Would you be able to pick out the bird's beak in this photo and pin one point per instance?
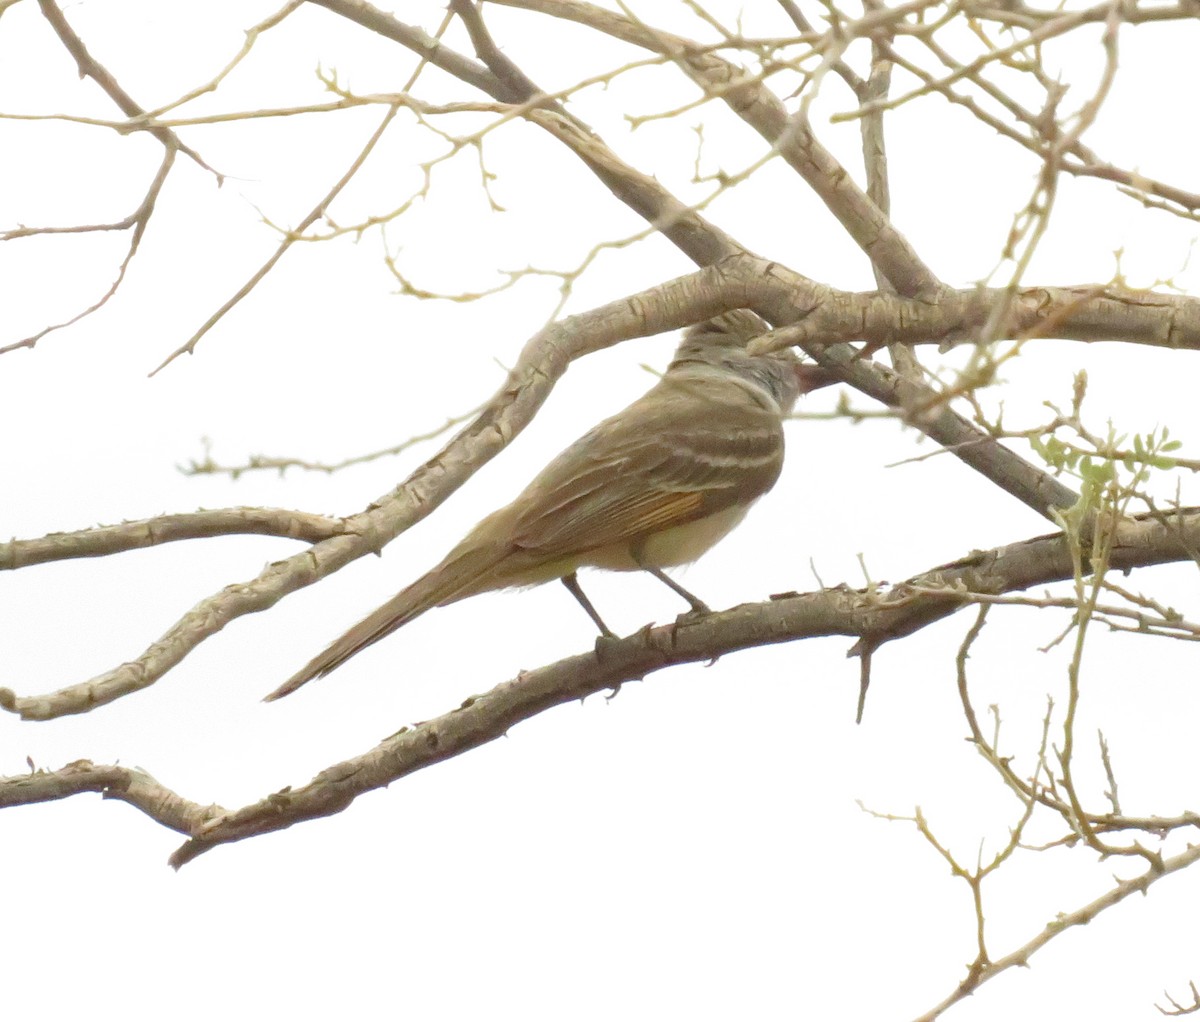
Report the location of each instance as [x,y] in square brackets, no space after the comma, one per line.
[813,377]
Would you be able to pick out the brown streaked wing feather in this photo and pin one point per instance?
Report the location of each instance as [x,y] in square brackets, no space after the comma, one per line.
[605,521]
[649,473]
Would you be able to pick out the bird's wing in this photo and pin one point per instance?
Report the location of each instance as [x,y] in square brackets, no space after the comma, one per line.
[648,470]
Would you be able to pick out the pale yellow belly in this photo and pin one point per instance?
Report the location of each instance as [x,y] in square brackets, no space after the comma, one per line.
[679,545]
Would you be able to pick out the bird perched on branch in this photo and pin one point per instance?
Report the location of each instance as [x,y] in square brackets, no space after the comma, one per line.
[652,487]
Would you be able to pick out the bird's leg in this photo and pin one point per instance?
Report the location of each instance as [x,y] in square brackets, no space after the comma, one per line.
[572,584]
[698,605]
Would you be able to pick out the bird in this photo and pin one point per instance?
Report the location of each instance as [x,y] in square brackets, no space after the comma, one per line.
[652,487]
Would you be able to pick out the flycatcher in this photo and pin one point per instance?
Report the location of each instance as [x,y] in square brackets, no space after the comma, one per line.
[654,486]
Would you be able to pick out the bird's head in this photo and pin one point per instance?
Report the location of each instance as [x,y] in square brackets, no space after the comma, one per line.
[721,342]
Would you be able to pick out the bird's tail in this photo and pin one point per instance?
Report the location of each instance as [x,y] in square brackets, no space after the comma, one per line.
[453,578]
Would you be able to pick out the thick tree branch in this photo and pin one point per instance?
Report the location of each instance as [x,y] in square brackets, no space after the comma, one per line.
[705,244]
[789,134]
[429,49]
[888,250]
[126,784]
[1080,312]
[147,532]
[1016,12]
[545,358]
[739,282]
[873,617]
[926,409]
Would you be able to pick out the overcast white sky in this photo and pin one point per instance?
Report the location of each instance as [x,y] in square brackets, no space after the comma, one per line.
[689,849]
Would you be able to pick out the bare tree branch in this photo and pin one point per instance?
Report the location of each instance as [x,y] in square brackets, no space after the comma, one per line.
[308,220]
[984,56]
[873,616]
[788,134]
[545,358]
[89,67]
[126,784]
[889,252]
[1081,160]
[114,539]
[1063,921]
[261,462]
[700,240]
[1081,312]
[139,220]
[321,209]
[743,282]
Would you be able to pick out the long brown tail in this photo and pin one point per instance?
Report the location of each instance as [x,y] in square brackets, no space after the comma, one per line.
[441,585]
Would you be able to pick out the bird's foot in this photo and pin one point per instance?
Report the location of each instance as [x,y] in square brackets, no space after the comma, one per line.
[699,610]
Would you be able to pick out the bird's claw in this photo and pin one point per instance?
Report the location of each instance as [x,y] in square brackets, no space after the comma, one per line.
[699,610]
